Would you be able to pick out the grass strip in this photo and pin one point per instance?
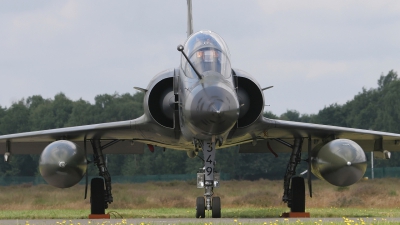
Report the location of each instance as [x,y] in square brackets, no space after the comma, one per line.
[190,212]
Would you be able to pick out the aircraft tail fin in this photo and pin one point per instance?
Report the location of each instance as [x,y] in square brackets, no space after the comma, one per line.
[189,19]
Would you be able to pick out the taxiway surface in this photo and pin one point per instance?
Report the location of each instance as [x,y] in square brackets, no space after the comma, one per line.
[195,221]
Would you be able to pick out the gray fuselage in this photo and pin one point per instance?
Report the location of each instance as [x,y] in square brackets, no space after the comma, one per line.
[208,106]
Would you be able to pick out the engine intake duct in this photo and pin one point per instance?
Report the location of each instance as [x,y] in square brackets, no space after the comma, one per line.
[251,102]
[341,162]
[161,102]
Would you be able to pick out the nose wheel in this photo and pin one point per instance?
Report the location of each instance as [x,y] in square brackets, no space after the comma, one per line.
[200,207]
[215,208]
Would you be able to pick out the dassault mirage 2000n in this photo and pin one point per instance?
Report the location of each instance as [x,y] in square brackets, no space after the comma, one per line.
[200,106]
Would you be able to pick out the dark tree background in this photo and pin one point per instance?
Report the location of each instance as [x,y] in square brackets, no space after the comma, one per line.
[377,109]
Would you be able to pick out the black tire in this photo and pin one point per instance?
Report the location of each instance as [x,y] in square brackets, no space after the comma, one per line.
[298,195]
[216,207]
[97,204]
[200,208]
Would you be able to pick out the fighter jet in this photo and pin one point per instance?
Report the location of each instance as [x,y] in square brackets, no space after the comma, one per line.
[201,106]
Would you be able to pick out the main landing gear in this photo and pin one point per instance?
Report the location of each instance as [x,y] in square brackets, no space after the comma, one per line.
[208,179]
[294,188]
[100,187]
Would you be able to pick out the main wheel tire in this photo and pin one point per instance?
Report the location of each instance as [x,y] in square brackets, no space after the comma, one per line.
[298,195]
[200,208]
[216,207]
[97,204]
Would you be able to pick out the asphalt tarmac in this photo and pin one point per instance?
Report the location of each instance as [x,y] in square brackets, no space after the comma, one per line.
[172,221]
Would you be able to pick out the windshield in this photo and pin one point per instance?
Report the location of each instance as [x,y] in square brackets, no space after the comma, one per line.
[207,52]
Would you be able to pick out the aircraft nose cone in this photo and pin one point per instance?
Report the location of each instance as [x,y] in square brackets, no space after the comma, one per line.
[217,109]
[214,110]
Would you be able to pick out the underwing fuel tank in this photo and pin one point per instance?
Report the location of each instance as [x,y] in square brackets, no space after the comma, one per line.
[62,164]
[341,162]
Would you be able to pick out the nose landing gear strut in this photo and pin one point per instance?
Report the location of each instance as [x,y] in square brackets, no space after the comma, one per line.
[208,179]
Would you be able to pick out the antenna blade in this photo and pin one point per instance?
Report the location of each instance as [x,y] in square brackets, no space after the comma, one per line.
[140,89]
[190,19]
[267,88]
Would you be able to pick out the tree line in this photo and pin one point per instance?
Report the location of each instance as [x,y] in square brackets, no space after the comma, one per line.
[376,108]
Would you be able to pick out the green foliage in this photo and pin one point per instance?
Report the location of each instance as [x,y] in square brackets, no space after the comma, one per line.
[270,115]
[15,119]
[37,113]
[376,108]
[292,115]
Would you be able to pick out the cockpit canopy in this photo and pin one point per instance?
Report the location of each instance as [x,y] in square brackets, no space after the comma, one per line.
[208,53]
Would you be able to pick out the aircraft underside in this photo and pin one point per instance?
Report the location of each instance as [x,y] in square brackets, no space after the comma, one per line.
[339,161]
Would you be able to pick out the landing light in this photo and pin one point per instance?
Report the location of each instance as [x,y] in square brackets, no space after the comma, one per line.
[7,157]
[201,183]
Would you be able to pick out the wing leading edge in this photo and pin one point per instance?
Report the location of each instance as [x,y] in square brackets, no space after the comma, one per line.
[35,141]
[267,130]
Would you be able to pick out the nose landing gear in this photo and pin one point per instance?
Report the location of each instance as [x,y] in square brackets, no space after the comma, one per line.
[208,179]
[207,202]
